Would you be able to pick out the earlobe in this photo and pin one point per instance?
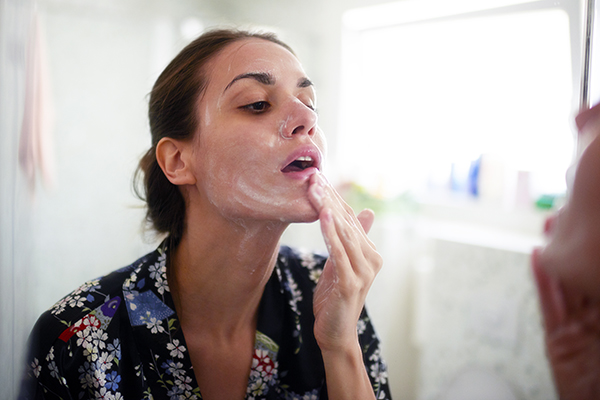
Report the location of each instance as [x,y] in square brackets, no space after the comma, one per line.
[172,158]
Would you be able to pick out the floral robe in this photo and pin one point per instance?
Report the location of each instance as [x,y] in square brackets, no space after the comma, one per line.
[118,337]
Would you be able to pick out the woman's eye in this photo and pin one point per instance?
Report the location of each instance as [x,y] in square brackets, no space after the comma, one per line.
[259,106]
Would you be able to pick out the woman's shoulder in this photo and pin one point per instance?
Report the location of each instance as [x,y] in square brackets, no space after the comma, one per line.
[95,292]
[86,325]
[95,301]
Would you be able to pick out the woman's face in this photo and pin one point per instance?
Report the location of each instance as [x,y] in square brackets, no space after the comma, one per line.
[573,250]
[257,142]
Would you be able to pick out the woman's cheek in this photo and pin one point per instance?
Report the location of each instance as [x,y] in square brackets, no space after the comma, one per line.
[241,185]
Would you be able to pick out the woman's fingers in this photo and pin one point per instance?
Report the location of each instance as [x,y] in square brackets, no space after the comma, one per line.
[322,194]
[349,271]
[316,192]
[366,218]
[332,238]
[345,233]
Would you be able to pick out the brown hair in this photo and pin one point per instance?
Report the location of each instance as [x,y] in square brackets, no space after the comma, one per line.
[172,113]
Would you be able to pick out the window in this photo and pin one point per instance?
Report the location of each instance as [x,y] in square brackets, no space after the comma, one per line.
[460,99]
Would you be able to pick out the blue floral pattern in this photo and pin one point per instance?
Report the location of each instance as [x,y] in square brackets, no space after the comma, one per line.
[119,337]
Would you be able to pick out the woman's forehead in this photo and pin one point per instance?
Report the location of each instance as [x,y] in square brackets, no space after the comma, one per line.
[254,55]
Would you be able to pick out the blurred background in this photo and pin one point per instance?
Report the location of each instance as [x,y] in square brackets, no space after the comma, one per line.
[451,119]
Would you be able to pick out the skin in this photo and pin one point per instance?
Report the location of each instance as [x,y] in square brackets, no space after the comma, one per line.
[573,250]
[258,111]
[567,274]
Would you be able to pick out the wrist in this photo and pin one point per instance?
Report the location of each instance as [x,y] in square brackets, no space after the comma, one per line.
[348,354]
[339,345]
[346,374]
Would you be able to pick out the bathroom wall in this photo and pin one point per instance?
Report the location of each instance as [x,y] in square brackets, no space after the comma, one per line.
[16,207]
[76,218]
[102,58]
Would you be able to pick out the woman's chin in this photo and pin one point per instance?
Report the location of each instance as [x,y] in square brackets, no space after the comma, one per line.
[303,216]
[309,220]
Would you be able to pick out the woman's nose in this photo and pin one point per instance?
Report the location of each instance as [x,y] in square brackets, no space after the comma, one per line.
[298,119]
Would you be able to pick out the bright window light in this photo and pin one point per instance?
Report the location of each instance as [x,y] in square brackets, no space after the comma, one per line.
[405,11]
[424,102]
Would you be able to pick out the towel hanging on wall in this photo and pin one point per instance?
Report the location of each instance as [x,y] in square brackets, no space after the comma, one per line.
[35,144]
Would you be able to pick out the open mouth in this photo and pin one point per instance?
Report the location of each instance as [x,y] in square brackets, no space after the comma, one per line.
[300,164]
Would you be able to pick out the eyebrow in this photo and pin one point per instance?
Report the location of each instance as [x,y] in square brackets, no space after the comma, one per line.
[266,79]
[304,82]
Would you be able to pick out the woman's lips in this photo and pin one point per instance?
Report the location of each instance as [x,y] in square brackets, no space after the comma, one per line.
[303,162]
[301,174]
[299,164]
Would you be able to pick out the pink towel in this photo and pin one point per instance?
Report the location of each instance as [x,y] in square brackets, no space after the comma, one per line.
[35,145]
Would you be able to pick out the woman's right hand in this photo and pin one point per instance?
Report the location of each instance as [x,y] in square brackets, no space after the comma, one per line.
[349,271]
[340,294]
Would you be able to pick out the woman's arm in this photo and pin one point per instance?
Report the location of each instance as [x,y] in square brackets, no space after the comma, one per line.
[346,375]
[342,289]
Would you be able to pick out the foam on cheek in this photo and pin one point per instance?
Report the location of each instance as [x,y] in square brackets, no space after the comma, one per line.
[252,193]
[231,190]
[272,142]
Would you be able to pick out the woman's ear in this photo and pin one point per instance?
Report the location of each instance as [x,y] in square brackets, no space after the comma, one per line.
[173,158]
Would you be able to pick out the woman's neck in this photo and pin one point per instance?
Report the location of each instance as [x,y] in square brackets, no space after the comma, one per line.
[218,272]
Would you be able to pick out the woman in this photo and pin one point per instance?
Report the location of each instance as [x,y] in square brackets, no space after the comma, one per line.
[220,311]
[567,272]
